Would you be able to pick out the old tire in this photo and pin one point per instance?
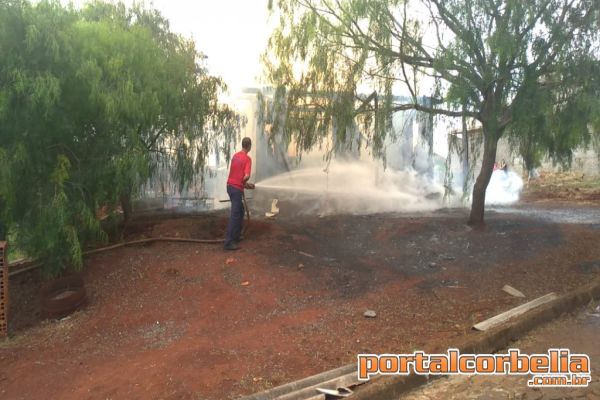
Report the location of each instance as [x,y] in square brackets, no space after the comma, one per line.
[62,296]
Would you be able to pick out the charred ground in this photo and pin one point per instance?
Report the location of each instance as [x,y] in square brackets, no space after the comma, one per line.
[192,321]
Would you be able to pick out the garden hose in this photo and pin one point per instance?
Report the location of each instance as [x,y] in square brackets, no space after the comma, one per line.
[25,266]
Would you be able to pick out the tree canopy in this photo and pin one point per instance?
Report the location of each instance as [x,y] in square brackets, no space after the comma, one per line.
[545,125]
[488,60]
[92,101]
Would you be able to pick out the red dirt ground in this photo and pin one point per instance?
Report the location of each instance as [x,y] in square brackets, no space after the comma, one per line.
[173,321]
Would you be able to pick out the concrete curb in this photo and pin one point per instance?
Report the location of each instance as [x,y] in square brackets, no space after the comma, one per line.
[297,388]
[390,388]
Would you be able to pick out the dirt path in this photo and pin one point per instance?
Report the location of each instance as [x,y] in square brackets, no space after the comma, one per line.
[174,321]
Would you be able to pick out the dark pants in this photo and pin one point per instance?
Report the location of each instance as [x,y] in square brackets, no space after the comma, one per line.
[236,220]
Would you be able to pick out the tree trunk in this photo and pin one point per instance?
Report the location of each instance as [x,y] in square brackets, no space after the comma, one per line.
[465,157]
[126,206]
[490,142]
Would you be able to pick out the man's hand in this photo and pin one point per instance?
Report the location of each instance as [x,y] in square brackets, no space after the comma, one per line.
[249,185]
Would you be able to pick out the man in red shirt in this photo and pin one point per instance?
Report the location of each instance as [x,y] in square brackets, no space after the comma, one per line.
[239,173]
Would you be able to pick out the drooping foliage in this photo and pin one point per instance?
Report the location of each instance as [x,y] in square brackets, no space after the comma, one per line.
[548,126]
[92,102]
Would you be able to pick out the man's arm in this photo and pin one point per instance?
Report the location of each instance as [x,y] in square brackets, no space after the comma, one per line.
[247,173]
[247,170]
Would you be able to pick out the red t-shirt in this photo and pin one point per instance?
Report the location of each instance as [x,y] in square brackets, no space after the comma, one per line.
[241,165]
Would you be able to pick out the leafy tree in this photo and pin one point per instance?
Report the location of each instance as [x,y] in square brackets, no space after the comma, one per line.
[477,59]
[546,126]
[92,102]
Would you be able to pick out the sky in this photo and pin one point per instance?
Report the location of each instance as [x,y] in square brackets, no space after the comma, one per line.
[232,33]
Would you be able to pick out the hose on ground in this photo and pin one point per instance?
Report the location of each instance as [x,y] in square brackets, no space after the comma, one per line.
[136,242]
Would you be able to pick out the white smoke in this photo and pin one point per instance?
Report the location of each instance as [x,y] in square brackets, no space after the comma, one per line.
[504,188]
[357,187]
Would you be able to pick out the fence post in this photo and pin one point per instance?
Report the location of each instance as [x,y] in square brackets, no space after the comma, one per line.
[3,290]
